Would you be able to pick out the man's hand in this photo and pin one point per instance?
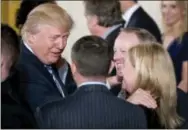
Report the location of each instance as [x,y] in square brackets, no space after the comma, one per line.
[114,80]
[141,97]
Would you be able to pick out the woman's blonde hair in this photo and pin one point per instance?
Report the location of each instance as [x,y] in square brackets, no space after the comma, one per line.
[155,73]
[46,14]
[181,26]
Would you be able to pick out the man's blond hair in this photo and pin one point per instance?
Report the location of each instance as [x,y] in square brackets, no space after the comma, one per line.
[46,14]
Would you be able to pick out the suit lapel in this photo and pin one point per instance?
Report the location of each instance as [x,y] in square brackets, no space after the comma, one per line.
[30,58]
[112,36]
[134,16]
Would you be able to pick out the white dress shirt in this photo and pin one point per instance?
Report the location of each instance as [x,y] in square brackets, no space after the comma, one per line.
[110,30]
[63,71]
[92,83]
[28,47]
[128,14]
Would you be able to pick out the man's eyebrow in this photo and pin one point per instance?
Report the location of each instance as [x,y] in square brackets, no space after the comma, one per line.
[67,33]
[55,36]
[59,35]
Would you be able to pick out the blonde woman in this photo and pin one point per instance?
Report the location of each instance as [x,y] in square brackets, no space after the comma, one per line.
[150,69]
[175,38]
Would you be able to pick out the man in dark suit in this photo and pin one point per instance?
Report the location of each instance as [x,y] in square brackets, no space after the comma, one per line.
[104,19]
[92,105]
[62,65]
[14,113]
[44,40]
[135,16]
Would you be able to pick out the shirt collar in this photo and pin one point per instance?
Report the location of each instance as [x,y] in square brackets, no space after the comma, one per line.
[92,82]
[63,71]
[127,14]
[28,47]
[111,29]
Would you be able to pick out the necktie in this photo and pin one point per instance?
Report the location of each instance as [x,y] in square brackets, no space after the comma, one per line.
[56,78]
[122,94]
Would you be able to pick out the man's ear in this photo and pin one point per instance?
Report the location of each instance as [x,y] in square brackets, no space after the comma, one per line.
[31,39]
[93,20]
[73,68]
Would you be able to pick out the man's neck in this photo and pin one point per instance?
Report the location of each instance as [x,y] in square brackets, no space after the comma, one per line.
[128,6]
[82,80]
[101,31]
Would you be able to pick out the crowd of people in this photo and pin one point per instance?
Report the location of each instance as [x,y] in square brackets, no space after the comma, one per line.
[127,74]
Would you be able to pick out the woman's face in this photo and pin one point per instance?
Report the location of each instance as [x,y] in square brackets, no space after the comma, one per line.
[129,76]
[171,12]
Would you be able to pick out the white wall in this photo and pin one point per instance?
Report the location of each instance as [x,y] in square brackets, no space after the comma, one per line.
[153,9]
[76,10]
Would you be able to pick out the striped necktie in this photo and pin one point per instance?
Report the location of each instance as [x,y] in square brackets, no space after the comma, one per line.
[59,84]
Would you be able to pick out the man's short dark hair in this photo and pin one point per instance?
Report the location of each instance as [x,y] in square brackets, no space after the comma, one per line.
[107,11]
[10,45]
[91,56]
[25,8]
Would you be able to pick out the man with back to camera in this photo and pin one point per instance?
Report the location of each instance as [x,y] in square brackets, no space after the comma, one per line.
[92,106]
[104,20]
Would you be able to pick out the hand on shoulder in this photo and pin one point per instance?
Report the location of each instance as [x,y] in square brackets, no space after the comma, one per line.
[142,97]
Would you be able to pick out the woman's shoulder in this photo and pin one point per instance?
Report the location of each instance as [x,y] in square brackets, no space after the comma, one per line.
[168,40]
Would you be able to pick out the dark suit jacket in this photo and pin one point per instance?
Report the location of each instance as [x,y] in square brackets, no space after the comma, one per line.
[14,113]
[111,40]
[112,37]
[69,82]
[91,106]
[37,85]
[140,19]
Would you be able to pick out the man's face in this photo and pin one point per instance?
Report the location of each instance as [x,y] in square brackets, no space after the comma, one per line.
[122,44]
[49,43]
[6,65]
[124,4]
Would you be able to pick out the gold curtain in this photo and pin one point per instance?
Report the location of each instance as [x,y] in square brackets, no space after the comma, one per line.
[186,21]
[8,12]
